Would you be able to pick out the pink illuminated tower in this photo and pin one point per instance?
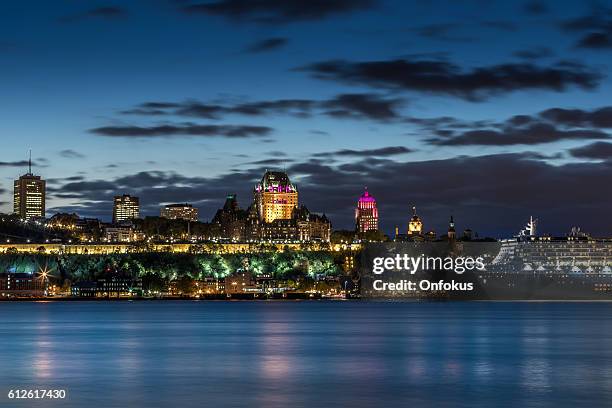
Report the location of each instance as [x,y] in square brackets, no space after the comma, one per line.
[366,214]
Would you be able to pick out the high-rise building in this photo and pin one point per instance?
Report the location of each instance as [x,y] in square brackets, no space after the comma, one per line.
[185,212]
[366,214]
[125,208]
[29,195]
[275,197]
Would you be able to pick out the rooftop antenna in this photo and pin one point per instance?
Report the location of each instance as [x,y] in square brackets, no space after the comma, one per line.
[30,163]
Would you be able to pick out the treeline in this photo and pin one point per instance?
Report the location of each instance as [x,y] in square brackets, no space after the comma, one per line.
[172,266]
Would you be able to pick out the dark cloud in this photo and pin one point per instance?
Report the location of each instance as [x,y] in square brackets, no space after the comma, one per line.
[500,25]
[104,12]
[189,129]
[20,163]
[598,19]
[381,152]
[455,32]
[363,105]
[597,118]
[272,162]
[296,107]
[547,126]
[443,32]
[536,7]
[269,44]
[154,188]
[277,12]
[596,40]
[534,53]
[445,78]
[595,29]
[527,135]
[356,106]
[597,150]
[486,193]
[71,154]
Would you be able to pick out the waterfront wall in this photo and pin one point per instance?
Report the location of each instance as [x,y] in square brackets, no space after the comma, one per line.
[226,248]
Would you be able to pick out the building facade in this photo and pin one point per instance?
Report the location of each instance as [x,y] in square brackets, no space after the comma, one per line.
[274,215]
[415,225]
[29,196]
[275,197]
[120,233]
[111,286]
[366,214]
[185,212]
[125,208]
[21,284]
[231,219]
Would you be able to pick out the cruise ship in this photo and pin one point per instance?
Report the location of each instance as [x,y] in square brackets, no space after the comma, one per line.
[529,266]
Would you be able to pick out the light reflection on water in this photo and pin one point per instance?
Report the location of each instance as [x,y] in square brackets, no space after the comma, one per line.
[192,354]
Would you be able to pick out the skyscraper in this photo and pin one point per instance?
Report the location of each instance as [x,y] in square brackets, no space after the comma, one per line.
[179,212]
[29,195]
[366,214]
[125,208]
[275,197]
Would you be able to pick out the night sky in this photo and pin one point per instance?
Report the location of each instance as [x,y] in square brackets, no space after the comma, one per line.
[488,111]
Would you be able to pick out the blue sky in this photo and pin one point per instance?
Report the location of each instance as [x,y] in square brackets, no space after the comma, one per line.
[68,68]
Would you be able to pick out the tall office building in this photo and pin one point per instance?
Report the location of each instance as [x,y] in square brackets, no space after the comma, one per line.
[125,208]
[366,214]
[29,195]
[275,197]
[179,212]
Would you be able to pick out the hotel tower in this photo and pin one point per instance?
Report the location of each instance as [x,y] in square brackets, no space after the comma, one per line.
[275,197]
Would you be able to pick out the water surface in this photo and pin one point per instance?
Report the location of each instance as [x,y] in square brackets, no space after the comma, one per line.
[311,353]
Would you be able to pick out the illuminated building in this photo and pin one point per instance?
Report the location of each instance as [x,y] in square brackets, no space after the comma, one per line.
[275,197]
[125,208]
[21,284]
[122,233]
[366,214]
[29,195]
[415,225]
[303,226]
[319,228]
[179,212]
[451,229]
[63,221]
[239,282]
[111,286]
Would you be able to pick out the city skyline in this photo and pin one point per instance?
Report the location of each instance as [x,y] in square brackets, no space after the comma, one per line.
[491,112]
